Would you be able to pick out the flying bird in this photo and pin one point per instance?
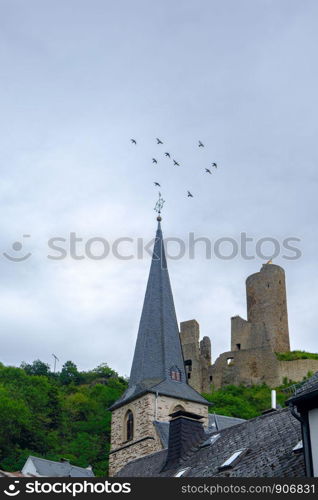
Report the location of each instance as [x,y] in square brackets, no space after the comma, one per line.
[201,145]
[208,171]
[133,141]
[176,163]
[214,165]
[154,160]
[167,154]
[157,184]
[190,195]
[159,141]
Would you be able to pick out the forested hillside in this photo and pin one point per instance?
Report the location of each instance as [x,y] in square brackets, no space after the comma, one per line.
[56,415]
[65,414]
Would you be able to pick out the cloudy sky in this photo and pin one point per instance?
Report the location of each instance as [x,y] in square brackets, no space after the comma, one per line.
[78,80]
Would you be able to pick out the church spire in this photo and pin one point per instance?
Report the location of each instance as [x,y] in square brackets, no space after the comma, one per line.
[158,364]
[158,349]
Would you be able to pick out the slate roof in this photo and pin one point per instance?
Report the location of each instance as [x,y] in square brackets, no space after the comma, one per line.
[309,386]
[158,346]
[222,421]
[219,422]
[49,468]
[269,440]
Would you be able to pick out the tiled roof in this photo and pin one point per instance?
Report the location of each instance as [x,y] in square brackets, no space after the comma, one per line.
[158,346]
[269,440]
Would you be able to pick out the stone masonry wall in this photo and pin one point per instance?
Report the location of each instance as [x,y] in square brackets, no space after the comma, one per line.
[267,307]
[144,412]
[297,369]
[199,353]
[258,366]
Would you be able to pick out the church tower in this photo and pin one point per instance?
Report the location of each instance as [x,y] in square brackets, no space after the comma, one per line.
[158,383]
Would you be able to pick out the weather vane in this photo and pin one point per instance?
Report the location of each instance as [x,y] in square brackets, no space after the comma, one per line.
[159,205]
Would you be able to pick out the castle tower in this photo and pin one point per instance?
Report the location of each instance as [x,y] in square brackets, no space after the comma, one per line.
[267,307]
[158,384]
[197,355]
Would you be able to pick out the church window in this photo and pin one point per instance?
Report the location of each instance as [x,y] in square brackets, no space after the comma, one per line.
[238,346]
[175,373]
[129,425]
[178,408]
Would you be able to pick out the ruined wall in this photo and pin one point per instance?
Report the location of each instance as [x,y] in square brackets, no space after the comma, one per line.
[258,366]
[297,369]
[247,367]
[240,334]
[196,354]
[145,440]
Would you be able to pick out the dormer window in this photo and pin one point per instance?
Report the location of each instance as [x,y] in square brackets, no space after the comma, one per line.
[175,374]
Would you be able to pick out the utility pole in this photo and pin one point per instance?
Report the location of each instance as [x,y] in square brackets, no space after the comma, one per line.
[55,360]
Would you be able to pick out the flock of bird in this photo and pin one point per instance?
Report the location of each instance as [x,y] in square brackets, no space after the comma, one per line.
[175,163]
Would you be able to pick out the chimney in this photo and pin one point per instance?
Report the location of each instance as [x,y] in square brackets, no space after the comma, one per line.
[185,433]
[273,403]
[273,399]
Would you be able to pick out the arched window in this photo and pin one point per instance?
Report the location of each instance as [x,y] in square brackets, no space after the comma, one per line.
[129,425]
[178,408]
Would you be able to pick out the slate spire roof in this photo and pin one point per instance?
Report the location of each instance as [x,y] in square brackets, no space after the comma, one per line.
[158,350]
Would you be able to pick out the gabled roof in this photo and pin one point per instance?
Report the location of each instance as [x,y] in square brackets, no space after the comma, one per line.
[49,468]
[158,347]
[268,441]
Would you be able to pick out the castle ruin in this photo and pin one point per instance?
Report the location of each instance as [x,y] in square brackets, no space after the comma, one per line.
[254,342]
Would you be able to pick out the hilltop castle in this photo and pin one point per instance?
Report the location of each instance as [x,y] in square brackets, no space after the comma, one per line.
[254,342]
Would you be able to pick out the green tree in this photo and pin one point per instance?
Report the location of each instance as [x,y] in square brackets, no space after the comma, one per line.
[69,373]
[36,368]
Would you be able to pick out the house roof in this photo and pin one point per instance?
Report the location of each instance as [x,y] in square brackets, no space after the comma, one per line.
[267,441]
[49,468]
[158,347]
[216,422]
[4,473]
[309,387]
[219,422]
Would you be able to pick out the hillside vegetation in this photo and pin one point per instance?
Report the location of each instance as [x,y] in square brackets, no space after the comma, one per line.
[65,414]
[292,355]
[56,415]
[243,402]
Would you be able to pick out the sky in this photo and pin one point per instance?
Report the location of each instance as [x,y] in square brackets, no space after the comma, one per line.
[78,80]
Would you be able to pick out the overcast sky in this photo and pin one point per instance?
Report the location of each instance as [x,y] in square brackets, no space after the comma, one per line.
[78,80]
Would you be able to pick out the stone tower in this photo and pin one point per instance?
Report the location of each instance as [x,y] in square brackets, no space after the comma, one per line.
[197,355]
[267,318]
[158,383]
[267,306]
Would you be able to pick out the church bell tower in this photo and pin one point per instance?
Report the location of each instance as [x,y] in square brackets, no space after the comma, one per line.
[158,383]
